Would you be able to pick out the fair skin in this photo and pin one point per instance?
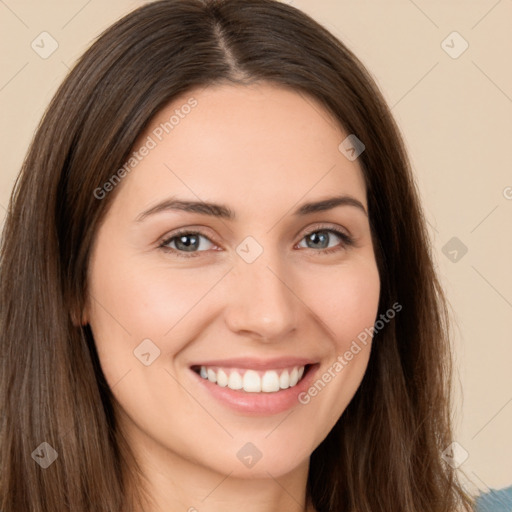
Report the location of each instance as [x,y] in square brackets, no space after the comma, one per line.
[263,151]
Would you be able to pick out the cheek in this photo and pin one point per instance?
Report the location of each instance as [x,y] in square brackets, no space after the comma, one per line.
[346,298]
[346,301]
[134,301]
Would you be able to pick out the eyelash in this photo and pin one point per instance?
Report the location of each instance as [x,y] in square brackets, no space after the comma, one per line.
[346,242]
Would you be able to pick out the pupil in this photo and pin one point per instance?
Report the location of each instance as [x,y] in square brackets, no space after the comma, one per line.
[193,244]
[315,237]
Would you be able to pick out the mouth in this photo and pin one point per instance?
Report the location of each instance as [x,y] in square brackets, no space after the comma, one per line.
[253,381]
[255,387]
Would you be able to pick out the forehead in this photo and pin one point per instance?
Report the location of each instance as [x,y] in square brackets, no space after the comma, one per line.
[243,145]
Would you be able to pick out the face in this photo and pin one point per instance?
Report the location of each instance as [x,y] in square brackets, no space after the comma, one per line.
[226,333]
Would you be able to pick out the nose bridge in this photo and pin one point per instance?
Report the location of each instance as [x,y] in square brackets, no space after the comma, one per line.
[260,300]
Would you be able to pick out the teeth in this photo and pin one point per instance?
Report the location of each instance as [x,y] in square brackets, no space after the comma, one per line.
[222,379]
[235,381]
[284,380]
[212,376]
[252,381]
[270,382]
[294,377]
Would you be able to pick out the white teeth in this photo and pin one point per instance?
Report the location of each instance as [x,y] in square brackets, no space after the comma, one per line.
[252,381]
[270,382]
[294,377]
[235,381]
[222,379]
[284,380]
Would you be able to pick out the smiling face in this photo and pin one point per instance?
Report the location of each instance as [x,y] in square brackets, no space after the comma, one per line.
[260,293]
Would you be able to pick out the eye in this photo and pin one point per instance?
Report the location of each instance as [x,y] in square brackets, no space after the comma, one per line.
[187,244]
[319,237]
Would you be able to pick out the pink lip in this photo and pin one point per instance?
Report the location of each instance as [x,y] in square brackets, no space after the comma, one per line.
[260,404]
[257,364]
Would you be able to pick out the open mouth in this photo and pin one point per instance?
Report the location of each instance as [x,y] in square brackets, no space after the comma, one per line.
[253,381]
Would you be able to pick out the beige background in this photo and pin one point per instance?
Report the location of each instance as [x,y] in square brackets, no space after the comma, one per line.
[456,117]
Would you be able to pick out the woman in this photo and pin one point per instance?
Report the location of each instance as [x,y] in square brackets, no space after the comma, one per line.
[172,336]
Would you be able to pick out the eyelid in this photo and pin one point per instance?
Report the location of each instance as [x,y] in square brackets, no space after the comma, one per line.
[199,230]
[322,225]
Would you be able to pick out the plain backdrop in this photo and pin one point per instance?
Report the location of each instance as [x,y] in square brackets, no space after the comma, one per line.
[444,69]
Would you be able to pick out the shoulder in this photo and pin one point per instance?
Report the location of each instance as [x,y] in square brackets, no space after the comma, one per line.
[495,501]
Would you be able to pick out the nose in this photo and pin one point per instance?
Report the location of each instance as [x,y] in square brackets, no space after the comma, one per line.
[261,301]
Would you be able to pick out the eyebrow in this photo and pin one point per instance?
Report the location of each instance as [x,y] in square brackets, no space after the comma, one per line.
[224,212]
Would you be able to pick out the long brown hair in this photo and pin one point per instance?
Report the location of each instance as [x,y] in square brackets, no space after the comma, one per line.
[384,453]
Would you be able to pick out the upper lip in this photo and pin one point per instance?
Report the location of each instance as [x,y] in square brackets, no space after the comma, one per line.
[257,364]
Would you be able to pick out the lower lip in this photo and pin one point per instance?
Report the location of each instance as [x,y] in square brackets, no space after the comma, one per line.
[260,403]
